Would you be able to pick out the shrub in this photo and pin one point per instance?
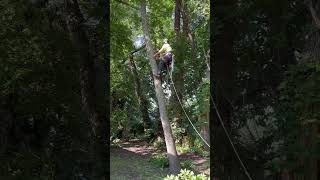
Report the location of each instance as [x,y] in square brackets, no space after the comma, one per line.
[187,175]
[160,160]
[188,164]
[159,143]
[182,149]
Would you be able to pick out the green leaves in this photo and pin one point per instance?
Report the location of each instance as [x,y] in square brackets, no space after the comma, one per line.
[187,175]
[299,111]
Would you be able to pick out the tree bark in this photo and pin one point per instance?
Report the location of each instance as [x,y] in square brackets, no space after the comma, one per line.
[177,15]
[170,144]
[314,10]
[186,30]
[89,92]
[205,133]
[185,19]
[179,55]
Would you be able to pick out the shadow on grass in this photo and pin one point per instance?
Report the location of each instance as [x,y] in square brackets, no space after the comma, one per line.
[136,150]
[130,165]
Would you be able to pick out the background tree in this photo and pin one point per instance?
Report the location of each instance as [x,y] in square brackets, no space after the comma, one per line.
[267,46]
[195,98]
[46,129]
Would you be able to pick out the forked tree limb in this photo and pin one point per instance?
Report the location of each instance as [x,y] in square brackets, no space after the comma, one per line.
[313,10]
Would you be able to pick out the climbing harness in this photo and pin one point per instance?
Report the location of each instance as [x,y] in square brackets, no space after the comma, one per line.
[168,73]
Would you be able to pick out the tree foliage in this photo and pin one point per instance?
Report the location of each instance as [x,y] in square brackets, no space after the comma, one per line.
[44,134]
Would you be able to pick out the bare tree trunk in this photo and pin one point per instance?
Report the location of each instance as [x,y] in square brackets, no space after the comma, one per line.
[170,144]
[186,30]
[141,99]
[179,55]
[185,19]
[177,15]
[89,91]
[314,10]
[205,134]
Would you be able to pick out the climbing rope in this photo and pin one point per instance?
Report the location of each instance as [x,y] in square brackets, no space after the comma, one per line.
[185,111]
[223,126]
[228,136]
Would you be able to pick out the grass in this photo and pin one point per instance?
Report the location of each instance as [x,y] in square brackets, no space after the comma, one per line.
[132,166]
[128,162]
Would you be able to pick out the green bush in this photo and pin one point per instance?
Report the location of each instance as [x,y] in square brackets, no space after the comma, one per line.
[298,112]
[187,175]
[148,135]
[182,149]
[198,149]
[160,160]
[159,144]
[188,164]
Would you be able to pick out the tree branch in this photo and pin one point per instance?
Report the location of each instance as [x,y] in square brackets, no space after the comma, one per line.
[314,14]
[143,46]
[127,4]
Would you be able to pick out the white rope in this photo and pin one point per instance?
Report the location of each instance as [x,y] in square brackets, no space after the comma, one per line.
[224,128]
[186,113]
[234,148]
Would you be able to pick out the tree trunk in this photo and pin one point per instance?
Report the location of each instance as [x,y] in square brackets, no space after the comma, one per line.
[179,55]
[143,104]
[186,30]
[314,10]
[170,144]
[177,15]
[205,132]
[89,92]
[185,19]
[206,128]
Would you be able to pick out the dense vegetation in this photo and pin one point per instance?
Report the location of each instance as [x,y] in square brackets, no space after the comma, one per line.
[140,108]
[52,94]
[266,85]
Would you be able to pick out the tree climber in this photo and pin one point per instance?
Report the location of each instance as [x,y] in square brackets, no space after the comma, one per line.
[165,57]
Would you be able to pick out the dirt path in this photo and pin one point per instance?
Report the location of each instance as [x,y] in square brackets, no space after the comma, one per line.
[131,161]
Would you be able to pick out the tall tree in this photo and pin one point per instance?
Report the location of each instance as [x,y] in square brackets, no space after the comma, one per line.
[177,16]
[88,82]
[179,58]
[143,104]
[170,143]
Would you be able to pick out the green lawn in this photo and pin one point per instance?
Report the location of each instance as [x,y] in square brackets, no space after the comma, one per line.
[126,165]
